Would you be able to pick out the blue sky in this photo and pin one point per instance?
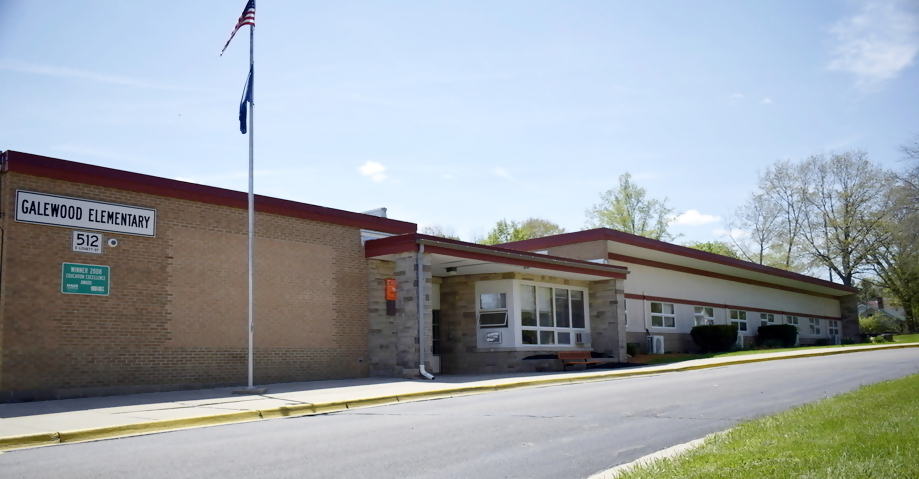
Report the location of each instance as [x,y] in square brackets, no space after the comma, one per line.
[464,113]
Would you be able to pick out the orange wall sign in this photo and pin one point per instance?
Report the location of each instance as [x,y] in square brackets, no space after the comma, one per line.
[390,290]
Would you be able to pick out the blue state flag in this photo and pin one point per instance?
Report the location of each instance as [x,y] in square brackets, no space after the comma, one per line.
[247,98]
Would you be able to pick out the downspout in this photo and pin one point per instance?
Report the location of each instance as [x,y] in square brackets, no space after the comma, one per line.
[420,301]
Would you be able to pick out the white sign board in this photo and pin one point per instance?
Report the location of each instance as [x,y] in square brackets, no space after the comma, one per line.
[44,209]
[84,242]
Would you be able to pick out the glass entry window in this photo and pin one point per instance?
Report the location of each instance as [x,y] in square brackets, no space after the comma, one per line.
[547,314]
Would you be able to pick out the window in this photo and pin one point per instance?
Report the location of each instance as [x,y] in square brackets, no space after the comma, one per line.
[493,310]
[791,320]
[662,315]
[704,316]
[814,325]
[832,327]
[739,319]
[548,315]
[766,319]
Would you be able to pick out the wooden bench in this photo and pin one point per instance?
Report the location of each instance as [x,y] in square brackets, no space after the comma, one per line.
[570,358]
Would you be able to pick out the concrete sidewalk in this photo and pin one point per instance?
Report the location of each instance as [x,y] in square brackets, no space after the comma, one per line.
[74,420]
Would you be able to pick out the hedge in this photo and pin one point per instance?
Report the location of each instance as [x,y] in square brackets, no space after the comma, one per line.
[714,338]
[784,334]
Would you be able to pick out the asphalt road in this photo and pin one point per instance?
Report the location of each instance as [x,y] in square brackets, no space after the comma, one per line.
[566,431]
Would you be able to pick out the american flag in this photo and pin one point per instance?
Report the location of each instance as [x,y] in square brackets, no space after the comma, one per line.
[247,18]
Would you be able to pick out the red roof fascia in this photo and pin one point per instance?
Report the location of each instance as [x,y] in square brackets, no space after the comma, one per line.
[58,169]
[523,262]
[391,245]
[408,242]
[648,243]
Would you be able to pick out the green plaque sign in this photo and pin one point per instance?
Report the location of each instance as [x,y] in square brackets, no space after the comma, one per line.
[84,279]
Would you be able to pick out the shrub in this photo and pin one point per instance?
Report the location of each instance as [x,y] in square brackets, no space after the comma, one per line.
[822,342]
[784,334]
[714,338]
[631,349]
[851,341]
[879,323]
[879,339]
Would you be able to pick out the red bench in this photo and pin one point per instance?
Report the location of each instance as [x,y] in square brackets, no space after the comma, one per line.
[570,358]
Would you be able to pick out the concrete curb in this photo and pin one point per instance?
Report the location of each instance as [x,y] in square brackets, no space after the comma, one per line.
[108,432]
[672,451]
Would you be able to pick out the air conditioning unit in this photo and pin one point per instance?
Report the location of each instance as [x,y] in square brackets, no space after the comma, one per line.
[581,338]
[657,345]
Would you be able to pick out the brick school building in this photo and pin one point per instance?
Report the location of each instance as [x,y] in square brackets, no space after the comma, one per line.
[114,282]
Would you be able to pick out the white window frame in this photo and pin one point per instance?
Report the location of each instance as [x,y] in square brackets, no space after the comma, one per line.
[813,326]
[832,327]
[663,315]
[480,311]
[792,320]
[701,316]
[766,319]
[740,319]
[556,331]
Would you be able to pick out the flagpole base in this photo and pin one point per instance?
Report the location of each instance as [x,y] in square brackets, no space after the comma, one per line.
[252,390]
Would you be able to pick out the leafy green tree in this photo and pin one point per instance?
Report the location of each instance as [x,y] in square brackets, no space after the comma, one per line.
[896,261]
[507,231]
[627,209]
[869,290]
[717,247]
[824,213]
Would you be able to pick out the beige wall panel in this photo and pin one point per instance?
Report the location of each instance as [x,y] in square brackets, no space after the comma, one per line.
[294,300]
[694,288]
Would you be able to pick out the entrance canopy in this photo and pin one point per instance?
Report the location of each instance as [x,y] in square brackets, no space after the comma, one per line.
[451,257]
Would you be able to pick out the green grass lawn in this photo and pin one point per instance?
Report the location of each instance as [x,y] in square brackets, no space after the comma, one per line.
[872,432]
[911,338]
[907,338]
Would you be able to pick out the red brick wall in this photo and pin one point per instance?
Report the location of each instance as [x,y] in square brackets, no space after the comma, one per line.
[176,313]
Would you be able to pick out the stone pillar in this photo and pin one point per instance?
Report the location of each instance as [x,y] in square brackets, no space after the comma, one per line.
[382,342]
[848,310]
[607,330]
[407,345]
[394,339]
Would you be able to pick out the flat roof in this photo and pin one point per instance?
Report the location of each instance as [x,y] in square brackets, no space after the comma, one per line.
[663,253]
[54,168]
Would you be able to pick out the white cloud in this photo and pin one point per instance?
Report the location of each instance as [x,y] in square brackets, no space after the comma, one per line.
[876,43]
[448,177]
[766,101]
[735,233]
[503,173]
[70,73]
[737,96]
[694,218]
[373,170]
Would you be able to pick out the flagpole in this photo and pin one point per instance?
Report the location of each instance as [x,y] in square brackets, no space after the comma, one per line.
[251,193]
